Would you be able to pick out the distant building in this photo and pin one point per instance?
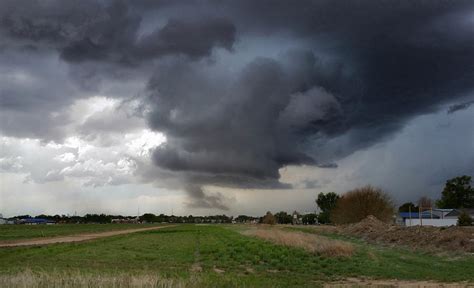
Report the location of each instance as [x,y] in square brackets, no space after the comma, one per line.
[297,219]
[36,221]
[454,214]
[403,218]
[432,217]
[126,220]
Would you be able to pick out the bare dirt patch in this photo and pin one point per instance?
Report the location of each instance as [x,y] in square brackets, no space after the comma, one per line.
[76,238]
[310,242]
[459,239]
[362,282]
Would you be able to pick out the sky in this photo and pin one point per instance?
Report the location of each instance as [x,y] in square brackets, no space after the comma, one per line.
[230,107]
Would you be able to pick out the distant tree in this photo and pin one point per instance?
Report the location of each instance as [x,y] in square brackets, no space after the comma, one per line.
[269,219]
[148,217]
[326,202]
[359,203]
[457,193]
[310,219]
[464,219]
[425,202]
[407,207]
[324,217]
[283,218]
[244,219]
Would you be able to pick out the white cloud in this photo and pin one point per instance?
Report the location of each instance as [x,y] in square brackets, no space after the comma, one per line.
[66,157]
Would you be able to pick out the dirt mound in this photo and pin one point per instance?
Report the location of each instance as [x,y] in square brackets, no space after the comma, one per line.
[460,239]
[369,225]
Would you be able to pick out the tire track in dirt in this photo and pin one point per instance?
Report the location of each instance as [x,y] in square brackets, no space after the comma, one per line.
[77,238]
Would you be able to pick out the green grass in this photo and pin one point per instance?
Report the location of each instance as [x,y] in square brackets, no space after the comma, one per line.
[18,232]
[172,253]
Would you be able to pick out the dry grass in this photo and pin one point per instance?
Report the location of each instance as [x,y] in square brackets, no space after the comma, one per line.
[37,280]
[310,242]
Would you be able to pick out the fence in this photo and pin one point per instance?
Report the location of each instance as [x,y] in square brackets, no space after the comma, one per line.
[431,222]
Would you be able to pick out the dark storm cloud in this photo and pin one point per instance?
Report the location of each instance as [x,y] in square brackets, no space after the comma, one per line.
[460,106]
[368,69]
[359,72]
[103,46]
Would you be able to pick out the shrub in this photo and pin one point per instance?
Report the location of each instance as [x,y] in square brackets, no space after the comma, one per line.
[359,203]
[269,219]
[464,219]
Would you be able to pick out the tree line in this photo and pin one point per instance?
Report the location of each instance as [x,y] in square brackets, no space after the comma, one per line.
[355,205]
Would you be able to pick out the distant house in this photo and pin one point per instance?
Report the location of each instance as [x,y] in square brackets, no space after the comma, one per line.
[297,219]
[434,217]
[454,214]
[404,216]
[434,213]
[441,212]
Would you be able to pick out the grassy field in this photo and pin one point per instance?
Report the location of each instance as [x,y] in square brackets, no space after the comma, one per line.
[18,232]
[218,255]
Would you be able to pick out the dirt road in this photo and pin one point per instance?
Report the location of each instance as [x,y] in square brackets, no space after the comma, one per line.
[76,238]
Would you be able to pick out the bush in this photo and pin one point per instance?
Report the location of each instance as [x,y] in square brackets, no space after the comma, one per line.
[269,219]
[464,219]
[359,203]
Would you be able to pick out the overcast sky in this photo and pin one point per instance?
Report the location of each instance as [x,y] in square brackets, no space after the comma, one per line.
[235,107]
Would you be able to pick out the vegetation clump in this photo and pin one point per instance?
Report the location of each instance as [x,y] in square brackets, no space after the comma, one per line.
[464,219]
[269,219]
[359,203]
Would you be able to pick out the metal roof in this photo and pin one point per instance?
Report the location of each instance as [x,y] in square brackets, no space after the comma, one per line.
[424,214]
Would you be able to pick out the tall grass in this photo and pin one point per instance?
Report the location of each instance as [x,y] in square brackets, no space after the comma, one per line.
[42,279]
[310,242]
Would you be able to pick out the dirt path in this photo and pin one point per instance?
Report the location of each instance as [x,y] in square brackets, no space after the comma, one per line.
[76,238]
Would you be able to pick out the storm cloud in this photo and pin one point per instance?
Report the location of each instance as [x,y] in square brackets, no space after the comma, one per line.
[241,89]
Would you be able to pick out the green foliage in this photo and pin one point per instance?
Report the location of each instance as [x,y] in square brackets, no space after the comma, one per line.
[324,218]
[326,202]
[148,217]
[457,193]
[407,207]
[464,219]
[283,218]
[309,219]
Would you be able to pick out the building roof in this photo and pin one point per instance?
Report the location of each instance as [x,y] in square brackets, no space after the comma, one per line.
[456,212]
[36,220]
[424,214]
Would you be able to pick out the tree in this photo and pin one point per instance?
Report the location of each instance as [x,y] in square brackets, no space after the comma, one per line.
[148,217]
[457,193]
[326,202]
[283,218]
[425,202]
[464,219]
[359,203]
[269,219]
[407,207]
[309,219]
